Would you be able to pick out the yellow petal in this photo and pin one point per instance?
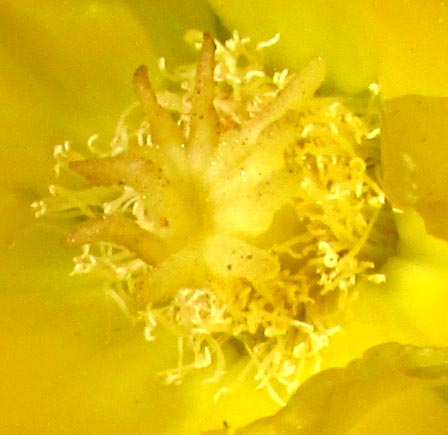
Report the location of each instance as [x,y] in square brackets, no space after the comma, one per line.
[415,158]
[59,79]
[70,362]
[412,39]
[80,56]
[168,21]
[66,75]
[339,31]
[410,307]
[393,389]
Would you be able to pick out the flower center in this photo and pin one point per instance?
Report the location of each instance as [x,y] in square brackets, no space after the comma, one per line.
[239,213]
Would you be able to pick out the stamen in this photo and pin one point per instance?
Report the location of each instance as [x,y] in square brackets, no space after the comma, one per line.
[268,43]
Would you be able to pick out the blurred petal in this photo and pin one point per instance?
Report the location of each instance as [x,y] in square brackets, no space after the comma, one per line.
[403,42]
[66,75]
[412,40]
[59,79]
[81,58]
[410,307]
[419,277]
[168,21]
[393,389]
[339,31]
[415,158]
[70,361]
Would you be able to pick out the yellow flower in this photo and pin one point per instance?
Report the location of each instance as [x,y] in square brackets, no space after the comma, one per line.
[71,362]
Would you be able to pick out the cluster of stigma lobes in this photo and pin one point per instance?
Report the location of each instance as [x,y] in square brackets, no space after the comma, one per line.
[235,208]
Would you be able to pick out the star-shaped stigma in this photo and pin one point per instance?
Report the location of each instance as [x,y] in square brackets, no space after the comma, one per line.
[243,209]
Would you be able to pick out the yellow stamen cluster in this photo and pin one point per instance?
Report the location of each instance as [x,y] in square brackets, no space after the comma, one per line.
[239,213]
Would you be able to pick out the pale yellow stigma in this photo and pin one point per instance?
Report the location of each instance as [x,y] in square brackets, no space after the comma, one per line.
[238,212]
